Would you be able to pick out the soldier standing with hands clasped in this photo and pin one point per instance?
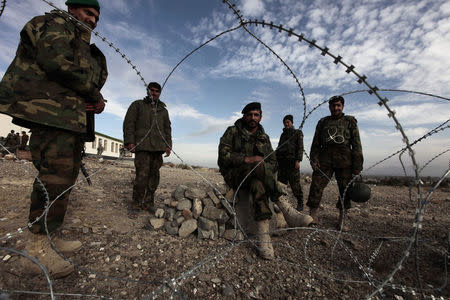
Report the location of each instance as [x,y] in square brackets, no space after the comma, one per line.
[336,149]
[50,87]
[147,132]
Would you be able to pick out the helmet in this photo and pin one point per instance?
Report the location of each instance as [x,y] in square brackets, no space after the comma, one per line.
[360,192]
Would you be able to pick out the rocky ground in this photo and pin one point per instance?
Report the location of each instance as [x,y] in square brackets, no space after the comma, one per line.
[126,258]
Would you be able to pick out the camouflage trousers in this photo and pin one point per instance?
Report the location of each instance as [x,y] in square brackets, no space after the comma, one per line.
[320,181]
[261,184]
[288,173]
[56,154]
[147,177]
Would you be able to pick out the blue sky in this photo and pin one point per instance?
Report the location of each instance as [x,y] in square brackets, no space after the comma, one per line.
[396,44]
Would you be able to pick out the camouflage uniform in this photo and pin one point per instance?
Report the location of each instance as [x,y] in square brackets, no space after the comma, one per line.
[45,88]
[289,151]
[337,148]
[143,126]
[238,143]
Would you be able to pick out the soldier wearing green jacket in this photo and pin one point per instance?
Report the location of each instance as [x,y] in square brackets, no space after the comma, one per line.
[147,133]
[53,87]
[289,156]
[336,149]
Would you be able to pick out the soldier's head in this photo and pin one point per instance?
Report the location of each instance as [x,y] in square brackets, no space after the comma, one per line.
[154,90]
[12,131]
[288,121]
[86,11]
[336,105]
[23,132]
[252,115]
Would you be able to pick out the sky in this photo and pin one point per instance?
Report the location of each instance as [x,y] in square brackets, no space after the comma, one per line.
[403,45]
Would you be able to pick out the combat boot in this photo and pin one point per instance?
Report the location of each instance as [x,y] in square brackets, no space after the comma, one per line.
[300,205]
[314,213]
[39,247]
[293,217]
[264,243]
[279,217]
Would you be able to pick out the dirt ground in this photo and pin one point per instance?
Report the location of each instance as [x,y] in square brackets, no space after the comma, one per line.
[123,258]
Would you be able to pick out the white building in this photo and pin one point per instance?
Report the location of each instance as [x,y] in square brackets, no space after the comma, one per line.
[111,145]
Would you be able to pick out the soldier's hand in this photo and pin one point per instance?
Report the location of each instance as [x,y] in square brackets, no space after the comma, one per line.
[253,159]
[297,165]
[168,151]
[131,147]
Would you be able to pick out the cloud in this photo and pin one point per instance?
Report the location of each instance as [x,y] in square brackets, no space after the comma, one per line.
[253,8]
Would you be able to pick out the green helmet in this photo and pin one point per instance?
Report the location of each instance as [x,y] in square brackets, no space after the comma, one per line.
[360,192]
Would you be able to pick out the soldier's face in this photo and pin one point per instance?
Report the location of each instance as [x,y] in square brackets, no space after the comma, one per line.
[252,118]
[287,123]
[336,108]
[87,15]
[154,92]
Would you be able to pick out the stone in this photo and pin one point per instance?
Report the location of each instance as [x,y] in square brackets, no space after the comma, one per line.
[173,204]
[216,280]
[214,198]
[221,229]
[184,204]
[159,213]
[206,224]
[206,234]
[213,213]
[187,228]
[170,214]
[193,193]
[197,208]
[231,234]
[173,230]
[180,220]
[228,292]
[207,202]
[187,214]
[9,157]
[156,223]
[178,193]
[167,201]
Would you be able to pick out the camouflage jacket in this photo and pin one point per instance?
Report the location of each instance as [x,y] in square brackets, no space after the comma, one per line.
[148,126]
[238,143]
[336,143]
[54,73]
[290,146]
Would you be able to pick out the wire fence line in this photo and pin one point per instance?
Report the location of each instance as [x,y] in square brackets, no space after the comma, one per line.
[173,284]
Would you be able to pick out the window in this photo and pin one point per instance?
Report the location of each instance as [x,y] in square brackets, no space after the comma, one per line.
[112,147]
[105,146]
[94,143]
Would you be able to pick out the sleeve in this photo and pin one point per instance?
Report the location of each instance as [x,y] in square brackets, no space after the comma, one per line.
[271,160]
[356,147]
[227,157]
[168,129]
[299,146]
[129,125]
[64,57]
[315,146]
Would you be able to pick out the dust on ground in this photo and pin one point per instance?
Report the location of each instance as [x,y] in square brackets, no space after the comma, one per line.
[124,258]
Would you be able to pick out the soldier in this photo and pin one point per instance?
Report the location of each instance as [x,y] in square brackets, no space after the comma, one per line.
[243,147]
[23,141]
[289,156]
[336,149]
[51,85]
[147,133]
[10,141]
[99,150]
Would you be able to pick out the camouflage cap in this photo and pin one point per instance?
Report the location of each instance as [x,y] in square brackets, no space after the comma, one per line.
[88,3]
[288,117]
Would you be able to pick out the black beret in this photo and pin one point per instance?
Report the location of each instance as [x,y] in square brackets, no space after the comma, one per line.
[288,117]
[251,106]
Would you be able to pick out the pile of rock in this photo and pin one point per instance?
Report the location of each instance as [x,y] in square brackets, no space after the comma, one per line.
[196,211]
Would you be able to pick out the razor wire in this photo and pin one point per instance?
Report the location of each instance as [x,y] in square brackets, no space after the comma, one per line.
[2,7]
[255,37]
